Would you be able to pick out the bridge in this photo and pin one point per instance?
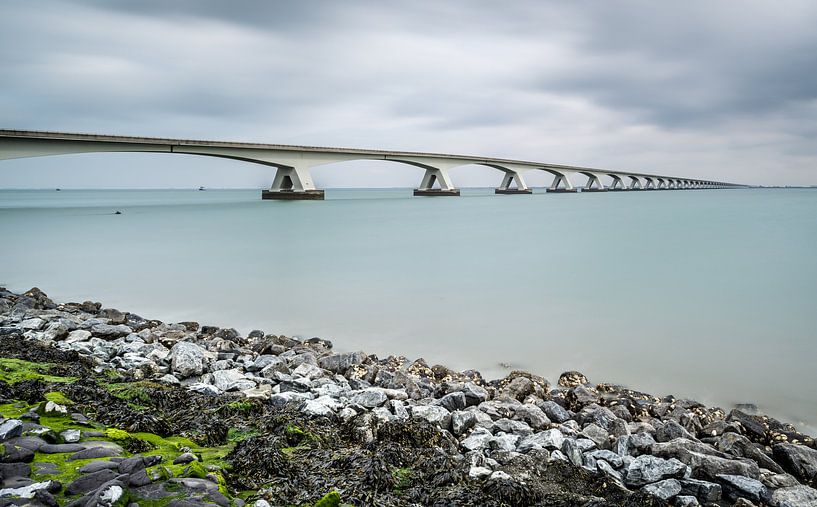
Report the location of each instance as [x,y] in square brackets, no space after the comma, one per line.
[293,164]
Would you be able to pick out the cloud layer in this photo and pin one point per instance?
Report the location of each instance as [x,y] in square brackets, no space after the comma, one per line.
[723,90]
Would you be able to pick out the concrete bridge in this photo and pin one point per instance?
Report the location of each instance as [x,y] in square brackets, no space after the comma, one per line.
[293,164]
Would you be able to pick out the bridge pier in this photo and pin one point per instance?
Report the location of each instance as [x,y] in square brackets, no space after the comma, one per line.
[516,178]
[618,184]
[561,183]
[439,176]
[593,184]
[293,183]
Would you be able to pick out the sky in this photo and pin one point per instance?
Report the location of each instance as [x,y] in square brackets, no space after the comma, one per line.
[723,90]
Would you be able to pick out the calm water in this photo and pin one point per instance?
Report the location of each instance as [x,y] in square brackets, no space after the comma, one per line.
[703,294]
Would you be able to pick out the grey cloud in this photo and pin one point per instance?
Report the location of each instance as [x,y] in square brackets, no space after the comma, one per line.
[650,86]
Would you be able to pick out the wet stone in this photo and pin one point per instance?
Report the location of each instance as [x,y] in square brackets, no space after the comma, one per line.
[94,453]
[664,490]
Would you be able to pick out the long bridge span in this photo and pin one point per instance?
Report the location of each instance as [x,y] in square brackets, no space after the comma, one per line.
[293,179]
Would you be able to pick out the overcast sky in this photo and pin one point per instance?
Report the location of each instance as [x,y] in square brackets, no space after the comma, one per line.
[720,90]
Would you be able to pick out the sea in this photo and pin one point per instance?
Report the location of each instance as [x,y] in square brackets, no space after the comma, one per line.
[704,294]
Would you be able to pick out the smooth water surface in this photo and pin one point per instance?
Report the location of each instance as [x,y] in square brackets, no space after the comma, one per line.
[703,294]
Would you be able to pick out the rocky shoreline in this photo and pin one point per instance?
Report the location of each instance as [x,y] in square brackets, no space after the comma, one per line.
[104,407]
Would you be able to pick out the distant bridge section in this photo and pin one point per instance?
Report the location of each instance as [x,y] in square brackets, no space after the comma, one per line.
[293,164]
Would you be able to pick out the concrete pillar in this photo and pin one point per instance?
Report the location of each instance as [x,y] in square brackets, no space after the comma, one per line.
[650,184]
[515,178]
[618,183]
[440,176]
[635,183]
[561,183]
[293,183]
[593,184]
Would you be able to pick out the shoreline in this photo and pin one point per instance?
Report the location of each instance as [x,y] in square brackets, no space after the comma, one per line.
[516,440]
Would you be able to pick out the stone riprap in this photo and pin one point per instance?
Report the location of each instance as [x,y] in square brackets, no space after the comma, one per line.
[386,431]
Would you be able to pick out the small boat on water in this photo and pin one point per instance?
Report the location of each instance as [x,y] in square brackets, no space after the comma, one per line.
[201,188]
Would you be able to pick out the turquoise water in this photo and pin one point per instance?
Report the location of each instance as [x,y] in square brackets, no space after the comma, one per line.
[703,294]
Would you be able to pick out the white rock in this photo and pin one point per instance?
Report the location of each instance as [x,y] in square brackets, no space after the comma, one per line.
[187,359]
[202,388]
[434,414]
[25,491]
[479,472]
[80,335]
[231,380]
[71,436]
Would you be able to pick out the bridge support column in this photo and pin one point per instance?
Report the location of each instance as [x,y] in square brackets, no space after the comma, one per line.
[650,184]
[593,184]
[432,176]
[618,183]
[561,183]
[293,183]
[635,183]
[515,178]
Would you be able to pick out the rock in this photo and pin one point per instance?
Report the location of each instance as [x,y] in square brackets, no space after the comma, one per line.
[672,430]
[479,473]
[263,361]
[572,452]
[533,416]
[639,443]
[554,411]
[71,436]
[581,396]
[32,324]
[95,452]
[11,428]
[572,379]
[798,460]
[206,389]
[90,482]
[112,493]
[601,416]
[307,371]
[315,408]
[608,456]
[462,421]
[231,380]
[794,496]
[706,492]
[503,442]
[598,435]
[170,380]
[706,461]
[550,439]
[79,335]
[339,363]
[686,501]
[185,458]
[370,398]
[27,491]
[474,394]
[432,413]
[53,409]
[740,446]
[515,427]
[753,426]
[187,359]
[664,490]
[108,331]
[96,466]
[776,481]
[477,440]
[453,401]
[647,469]
[739,486]
[15,454]
[281,400]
